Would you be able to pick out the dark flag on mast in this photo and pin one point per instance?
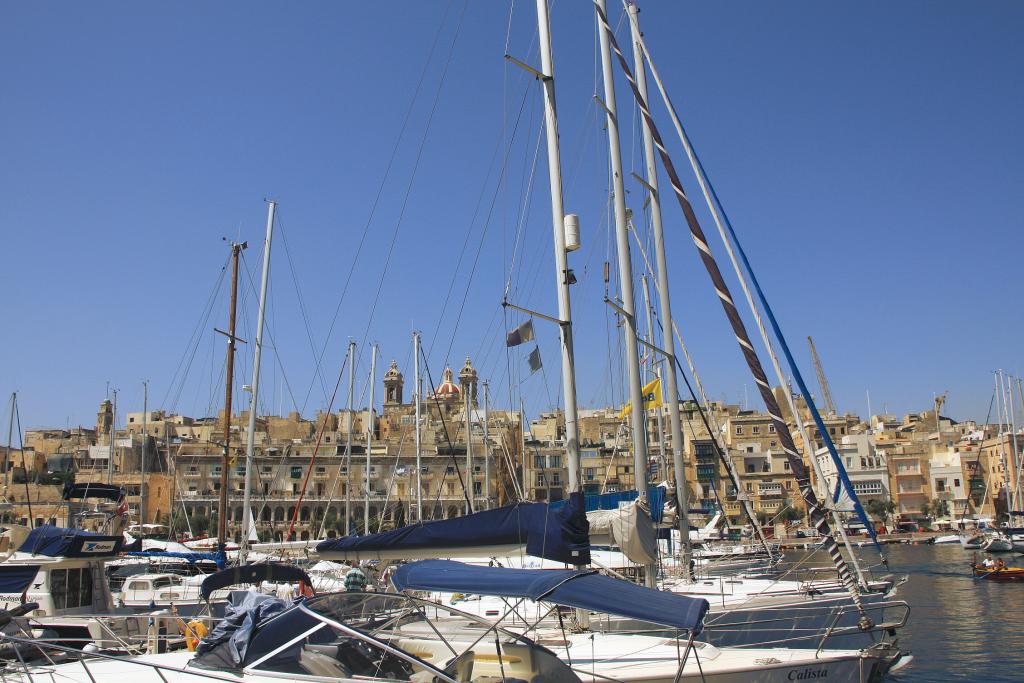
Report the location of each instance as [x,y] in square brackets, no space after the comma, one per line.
[534,360]
[520,335]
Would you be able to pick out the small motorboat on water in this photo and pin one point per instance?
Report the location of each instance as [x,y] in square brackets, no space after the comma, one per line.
[998,544]
[974,541]
[997,572]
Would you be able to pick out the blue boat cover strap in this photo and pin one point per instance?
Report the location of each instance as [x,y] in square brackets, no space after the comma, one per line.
[554,533]
[253,573]
[55,541]
[585,589]
[15,578]
[73,491]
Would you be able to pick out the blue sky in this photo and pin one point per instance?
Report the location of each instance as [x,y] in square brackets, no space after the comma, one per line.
[868,154]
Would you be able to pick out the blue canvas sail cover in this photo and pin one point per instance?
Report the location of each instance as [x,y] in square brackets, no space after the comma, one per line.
[15,578]
[55,541]
[585,589]
[253,573]
[560,534]
[85,490]
[613,501]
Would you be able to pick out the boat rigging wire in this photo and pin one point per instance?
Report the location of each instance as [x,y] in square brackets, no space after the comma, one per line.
[387,174]
[797,466]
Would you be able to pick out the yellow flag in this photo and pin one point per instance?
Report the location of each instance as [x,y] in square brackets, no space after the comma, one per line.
[652,398]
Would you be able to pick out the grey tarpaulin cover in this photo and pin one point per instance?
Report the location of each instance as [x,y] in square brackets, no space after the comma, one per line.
[630,528]
[226,645]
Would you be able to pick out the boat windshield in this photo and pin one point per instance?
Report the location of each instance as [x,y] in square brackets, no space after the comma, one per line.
[395,637]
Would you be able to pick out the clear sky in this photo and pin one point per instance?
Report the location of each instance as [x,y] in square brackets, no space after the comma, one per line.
[869,155]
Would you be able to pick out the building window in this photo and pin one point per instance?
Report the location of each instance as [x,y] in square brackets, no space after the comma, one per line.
[554,461]
[750,468]
[771,429]
[832,431]
[750,487]
[773,444]
[296,472]
[538,462]
[540,479]
[766,467]
[956,483]
[556,478]
[739,429]
[755,429]
[588,473]
[785,465]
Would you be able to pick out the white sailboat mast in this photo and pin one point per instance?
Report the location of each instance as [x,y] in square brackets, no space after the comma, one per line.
[250,438]
[419,435]
[572,445]
[369,439]
[638,416]
[670,389]
[487,451]
[348,439]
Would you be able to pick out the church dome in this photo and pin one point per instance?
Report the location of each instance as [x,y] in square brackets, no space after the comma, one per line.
[448,389]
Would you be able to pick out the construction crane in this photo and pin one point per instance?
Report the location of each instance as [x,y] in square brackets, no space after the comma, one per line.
[822,382]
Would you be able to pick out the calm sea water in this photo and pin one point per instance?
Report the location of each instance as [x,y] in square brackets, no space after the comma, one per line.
[960,629]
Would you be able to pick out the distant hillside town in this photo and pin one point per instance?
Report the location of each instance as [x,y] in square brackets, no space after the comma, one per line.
[923,470]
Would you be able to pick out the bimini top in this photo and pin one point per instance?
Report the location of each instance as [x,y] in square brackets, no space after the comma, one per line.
[559,534]
[55,541]
[253,573]
[93,490]
[585,589]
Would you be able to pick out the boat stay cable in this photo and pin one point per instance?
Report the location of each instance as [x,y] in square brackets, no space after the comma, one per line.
[407,117]
[724,226]
[799,470]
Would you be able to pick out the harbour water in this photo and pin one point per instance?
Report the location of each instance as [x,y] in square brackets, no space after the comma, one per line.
[961,629]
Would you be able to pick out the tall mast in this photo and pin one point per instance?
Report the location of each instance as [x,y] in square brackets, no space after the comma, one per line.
[250,438]
[222,512]
[468,407]
[419,435]
[742,338]
[654,372]
[670,390]
[1013,437]
[572,444]
[522,444]
[145,448]
[638,416]
[10,436]
[348,439]
[113,432]
[487,451]
[369,438]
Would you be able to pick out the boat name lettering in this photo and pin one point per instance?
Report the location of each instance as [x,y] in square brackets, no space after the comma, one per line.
[808,674]
[98,546]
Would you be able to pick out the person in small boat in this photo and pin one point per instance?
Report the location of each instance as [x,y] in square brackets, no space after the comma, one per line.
[988,562]
[1000,565]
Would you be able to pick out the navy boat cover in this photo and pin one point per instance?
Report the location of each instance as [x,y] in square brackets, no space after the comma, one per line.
[253,573]
[55,541]
[554,533]
[15,578]
[585,589]
[613,501]
[74,491]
